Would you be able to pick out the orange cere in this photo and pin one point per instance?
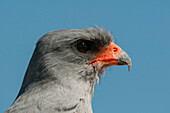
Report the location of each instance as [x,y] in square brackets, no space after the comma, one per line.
[107,55]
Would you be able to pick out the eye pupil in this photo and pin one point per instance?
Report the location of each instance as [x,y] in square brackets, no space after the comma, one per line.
[82,46]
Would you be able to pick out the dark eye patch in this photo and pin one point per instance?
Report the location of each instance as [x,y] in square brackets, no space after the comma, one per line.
[89,46]
[84,45]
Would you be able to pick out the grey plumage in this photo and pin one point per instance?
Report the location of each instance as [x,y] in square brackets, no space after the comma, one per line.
[58,79]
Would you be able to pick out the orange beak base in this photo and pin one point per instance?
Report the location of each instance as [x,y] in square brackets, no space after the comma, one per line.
[111,55]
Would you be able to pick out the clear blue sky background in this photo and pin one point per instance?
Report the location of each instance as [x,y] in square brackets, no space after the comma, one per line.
[142,29]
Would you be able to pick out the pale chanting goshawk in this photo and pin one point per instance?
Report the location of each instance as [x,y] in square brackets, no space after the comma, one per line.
[63,70]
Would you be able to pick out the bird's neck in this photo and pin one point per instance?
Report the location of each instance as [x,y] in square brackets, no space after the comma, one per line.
[79,81]
[59,83]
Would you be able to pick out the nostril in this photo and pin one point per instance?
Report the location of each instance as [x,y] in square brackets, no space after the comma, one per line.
[115,49]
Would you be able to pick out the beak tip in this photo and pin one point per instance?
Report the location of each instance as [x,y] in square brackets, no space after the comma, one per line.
[129,67]
[124,59]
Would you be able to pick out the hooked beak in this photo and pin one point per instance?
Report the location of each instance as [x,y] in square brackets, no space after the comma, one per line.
[124,59]
[111,55]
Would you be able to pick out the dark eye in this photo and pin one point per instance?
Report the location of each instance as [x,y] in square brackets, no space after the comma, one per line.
[83,45]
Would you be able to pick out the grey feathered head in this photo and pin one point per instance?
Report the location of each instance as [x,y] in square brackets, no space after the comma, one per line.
[69,62]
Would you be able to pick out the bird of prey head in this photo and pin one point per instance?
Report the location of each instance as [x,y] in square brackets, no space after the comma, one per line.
[63,69]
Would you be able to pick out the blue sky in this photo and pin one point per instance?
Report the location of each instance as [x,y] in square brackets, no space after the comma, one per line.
[142,29]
